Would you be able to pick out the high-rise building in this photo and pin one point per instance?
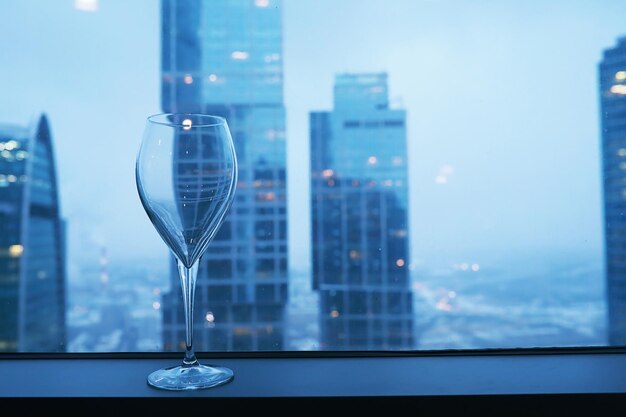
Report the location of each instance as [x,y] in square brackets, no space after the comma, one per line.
[359,218]
[225,58]
[32,242]
[612,75]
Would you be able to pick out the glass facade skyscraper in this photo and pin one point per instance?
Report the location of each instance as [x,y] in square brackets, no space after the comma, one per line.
[612,74]
[225,58]
[32,255]
[359,218]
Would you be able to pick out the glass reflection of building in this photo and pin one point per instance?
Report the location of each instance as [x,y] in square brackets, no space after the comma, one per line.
[32,258]
[225,58]
[612,72]
[359,218]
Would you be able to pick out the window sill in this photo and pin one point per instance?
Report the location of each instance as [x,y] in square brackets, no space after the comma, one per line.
[551,379]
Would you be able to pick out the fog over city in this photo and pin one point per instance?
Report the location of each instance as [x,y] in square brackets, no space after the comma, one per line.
[501,96]
[503,137]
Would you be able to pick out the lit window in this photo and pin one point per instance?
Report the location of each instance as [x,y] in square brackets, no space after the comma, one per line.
[621,152]
[399,233]
[188,79]
[334,314]
[355,254]
[86,5]
[267,196]
[400,263]
[372,160]
[241,331]
[618,89]
[16,250]
[327,173]
[620,75]
[240,55]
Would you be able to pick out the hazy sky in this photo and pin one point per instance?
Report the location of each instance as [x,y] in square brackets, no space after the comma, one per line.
[501,98]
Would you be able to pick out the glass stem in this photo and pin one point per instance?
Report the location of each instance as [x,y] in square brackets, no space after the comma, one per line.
[188,286]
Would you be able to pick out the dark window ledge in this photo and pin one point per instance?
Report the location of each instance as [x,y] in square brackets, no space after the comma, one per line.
[545,379]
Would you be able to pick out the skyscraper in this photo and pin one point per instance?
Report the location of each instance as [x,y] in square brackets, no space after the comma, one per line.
[225,58]
[32,255]
[612,75]
[359,218]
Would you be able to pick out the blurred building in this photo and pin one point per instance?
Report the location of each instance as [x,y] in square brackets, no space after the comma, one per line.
[32,258]
[359,218]
[225,58]
[612,72]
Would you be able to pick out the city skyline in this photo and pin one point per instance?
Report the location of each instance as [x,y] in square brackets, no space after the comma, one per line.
[495,162]
[487,195]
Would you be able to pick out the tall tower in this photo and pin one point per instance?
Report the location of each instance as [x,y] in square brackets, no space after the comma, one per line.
[612,77]
[359,218]
[225,58]
[32,242]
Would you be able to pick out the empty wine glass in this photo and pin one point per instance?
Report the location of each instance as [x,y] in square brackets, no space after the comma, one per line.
[186,174]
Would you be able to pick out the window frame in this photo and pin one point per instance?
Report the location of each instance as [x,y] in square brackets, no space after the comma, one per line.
[604,386]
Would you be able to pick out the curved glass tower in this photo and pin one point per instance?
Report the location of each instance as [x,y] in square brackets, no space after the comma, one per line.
[32,259]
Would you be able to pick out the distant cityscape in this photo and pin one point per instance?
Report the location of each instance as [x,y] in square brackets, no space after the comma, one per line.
[363,292]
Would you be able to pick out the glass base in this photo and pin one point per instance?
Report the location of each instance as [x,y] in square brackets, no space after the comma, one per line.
[180,378]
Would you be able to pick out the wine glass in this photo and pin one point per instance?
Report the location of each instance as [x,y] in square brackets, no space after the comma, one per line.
[186,173]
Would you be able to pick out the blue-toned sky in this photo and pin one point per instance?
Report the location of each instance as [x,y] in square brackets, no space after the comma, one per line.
[501,97]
